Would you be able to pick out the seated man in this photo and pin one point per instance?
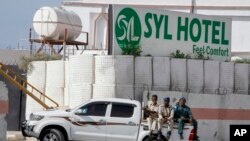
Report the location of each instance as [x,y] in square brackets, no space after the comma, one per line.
[183,115]
[152,111]
[166,114]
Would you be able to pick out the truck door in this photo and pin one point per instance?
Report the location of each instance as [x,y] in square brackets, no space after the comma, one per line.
[89,122]
[123,122]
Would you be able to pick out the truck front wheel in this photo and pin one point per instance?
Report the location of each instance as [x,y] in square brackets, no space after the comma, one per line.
[52,135]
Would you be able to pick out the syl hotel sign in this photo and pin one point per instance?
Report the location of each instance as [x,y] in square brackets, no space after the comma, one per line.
[128,28]
[161,32]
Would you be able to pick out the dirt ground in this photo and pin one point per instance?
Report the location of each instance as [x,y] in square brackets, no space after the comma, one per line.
[17,136]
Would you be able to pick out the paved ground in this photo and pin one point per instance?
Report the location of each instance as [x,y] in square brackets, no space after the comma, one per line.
[17,136]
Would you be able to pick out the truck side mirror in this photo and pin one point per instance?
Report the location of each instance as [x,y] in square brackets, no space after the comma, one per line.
[81,112]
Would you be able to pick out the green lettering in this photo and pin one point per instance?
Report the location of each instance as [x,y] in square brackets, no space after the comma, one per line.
[194,38]
[148,17]
[166,34]
[158,24]
[215,32]
[194,48]
[182,28]
[207,23]
[223,40]
[208,50]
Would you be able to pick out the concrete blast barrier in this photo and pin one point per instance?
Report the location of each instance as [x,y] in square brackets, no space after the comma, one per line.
[143,71]
[31,104]
[79,93]
[211,76]
[103,91]
[104,69]
[37,72]
[179,74]
[66,96]
[3,110]
[139,91]
[81,69]
[56,94]
[124,91]
[161,73]
[113,91]
[66,74]
[195,71]
[124,70]
[3,127]
[226,77]
[3,91]
[55,74]
[241,78]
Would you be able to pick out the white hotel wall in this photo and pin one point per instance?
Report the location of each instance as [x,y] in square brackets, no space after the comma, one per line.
[88,16]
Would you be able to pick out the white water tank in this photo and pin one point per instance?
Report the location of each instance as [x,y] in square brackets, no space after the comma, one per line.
[50,23]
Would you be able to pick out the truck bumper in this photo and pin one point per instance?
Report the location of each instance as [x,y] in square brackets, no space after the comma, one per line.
[28,130]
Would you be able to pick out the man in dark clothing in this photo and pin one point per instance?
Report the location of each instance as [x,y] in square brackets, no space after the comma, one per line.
[183,115]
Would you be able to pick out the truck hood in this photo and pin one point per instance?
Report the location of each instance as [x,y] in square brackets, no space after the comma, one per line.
[54,113]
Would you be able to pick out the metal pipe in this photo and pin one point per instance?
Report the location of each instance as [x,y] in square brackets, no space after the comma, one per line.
[31,42]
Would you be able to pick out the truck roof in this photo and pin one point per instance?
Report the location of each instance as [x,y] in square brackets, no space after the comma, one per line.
[116,100]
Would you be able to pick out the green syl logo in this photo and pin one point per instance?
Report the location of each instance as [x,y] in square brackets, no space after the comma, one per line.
[128,28]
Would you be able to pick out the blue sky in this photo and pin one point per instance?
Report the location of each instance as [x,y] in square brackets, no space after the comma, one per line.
[16,19]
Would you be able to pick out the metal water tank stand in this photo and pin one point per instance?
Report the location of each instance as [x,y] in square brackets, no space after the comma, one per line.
[64,43]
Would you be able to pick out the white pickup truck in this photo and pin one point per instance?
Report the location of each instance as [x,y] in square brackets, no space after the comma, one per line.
[96,120]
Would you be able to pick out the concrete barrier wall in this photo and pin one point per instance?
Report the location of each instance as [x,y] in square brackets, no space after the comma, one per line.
[81,69]
[195,72]
[55,74]
[104,69]
[143,70]
[79,93]
[241,78]
[37,78]
[38,72]
[103,91]
[3,110]
[31,104]
[215,113]
[126,76]
[143,75]
[211,77]
[161,73]
[124,70]
[226,78]
[179,74]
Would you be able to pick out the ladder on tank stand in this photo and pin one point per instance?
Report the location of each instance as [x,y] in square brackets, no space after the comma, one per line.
[22,83]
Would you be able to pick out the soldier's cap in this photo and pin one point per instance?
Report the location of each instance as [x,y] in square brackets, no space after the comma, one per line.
[183,98]
[167,99]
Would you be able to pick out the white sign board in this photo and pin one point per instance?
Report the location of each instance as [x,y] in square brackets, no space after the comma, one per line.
[161,32]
